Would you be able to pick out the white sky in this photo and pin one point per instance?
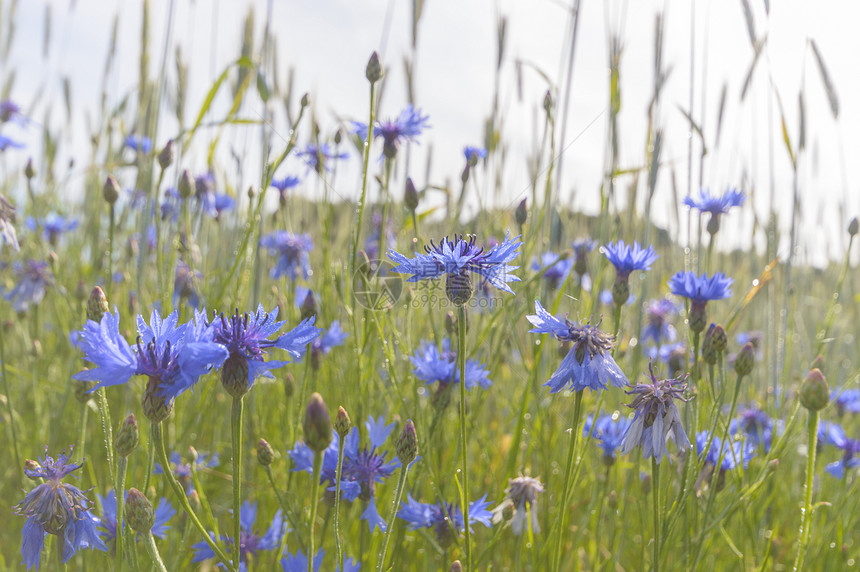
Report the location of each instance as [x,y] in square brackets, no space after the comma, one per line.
[328,44]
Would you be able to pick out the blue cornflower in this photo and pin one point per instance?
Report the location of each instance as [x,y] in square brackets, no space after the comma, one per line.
[362,468]
[223,202]
[726,456]
[53,226]
[283,185]
[700,290]
[250,541]
[138,143]
[407,127]
[656,416]
[432,365]
[137,198]
[557,268]
[185,285]
[846,400]
[292,250]
[626,258]
[299,562]
[332,337]
[715,205]
[316,157]
[34,278]
[588,363]
[473,154]
[609,431]
[107,521]
[182,471]
[755,425]
[658,330]
[444,518]
[9,111]
[246,338]
[172,356]
[172,204]
[7,216]
[832,434]
[58,508]
[457,258]
[9,143]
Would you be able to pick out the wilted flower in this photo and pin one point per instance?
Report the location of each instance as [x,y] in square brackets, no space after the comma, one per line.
[292,250]
[444,518]
[107,521]
[457,258]
[34,278]
[432,365]
[521,496]
[362,468]
[656,416]
[250,541]
[588,363]
[58,508]
[407,127]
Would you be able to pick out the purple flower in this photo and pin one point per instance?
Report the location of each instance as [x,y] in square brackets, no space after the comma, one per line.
[700,290]
[756,427]
[846,400]
[138,143]
[299,562]
[445,519]
[250,541]
[609,432]
[473,154]
[434,365]
[627,258]
[457,258]
[714,204]
[316,157]
[9,143]
[658,330]
[11,111]
[7,217]
[362,468]
[371,244]
[292,250]
[656,416]
[107,521]
[832,434]
[725,456]
[53,226]
[34,278]
[331,338]
[407,127]
[58,508]
[588,363]
[557,268]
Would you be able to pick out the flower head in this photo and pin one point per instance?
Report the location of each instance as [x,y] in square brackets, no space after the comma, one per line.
[656,416]
[444,518]
[331,338]
[627,258]
[250,541]
[588,363]
[138,143]
[755,425]
[610,432]
[298,562]
[457,258]
[716,204]
[407,127]
[107,520]
[11,111]
[9,143]
[473,154]
[557,267]
[726,456]
[658,330]
[53,226]
[292,250]
[832,434]
[521,497]
[846,400]
[317,157]
[435,365]
[58,508]
[700,290]
[363,468]
[34,278]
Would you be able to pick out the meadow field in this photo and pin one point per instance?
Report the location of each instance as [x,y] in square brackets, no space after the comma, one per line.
[262,320]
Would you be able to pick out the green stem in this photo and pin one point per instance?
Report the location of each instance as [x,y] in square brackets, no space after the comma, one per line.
[658,520]
[568,484]
[337,538]
[183,545]
[389,527]
[805,520]
[9,402]
[150,462]
[158,438]
[289,512]
[315,491]
[236,420]
[152,549]
[461,359]
[104,412]
[119,491]
[367,145]
[109,278]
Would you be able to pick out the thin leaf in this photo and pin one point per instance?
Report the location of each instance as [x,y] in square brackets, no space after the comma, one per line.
[748,80]
[695,127]
[750,23]
[832,97]
[720,113]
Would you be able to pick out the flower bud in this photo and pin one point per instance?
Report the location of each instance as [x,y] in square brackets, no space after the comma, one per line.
[814,392]
[853,226]
[818,363]
[709,353]
[186,184]
[745,360]
[612,500]
[289,385]
[234,376]
[97,305]
[456,567]
[410,195]
[407,444]
[621,289]
[306,100]
[127,436]
[309,305]
[548,103]
[167,155]
[141,515]
[373,72]
[342,422]
[317,425]
[698,317]
[30,171]
[265,453]
[110,191]
[522,213]
[720,340]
